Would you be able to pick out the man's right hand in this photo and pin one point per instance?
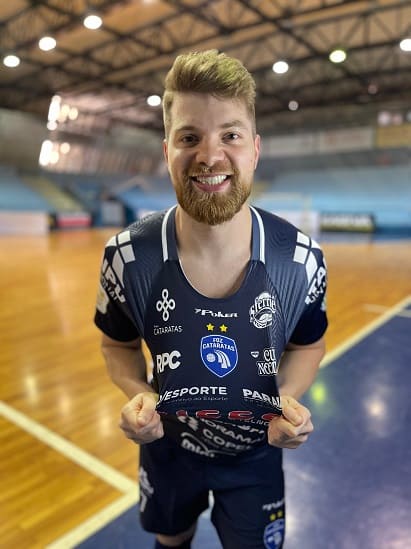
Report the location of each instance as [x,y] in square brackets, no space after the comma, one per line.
[140,421]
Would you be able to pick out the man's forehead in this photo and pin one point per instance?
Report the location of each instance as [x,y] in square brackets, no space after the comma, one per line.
[193,110]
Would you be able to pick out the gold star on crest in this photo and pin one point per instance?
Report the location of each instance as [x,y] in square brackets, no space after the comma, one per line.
[210,327]
[223,328]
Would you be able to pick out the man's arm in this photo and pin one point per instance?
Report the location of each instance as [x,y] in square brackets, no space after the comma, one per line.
[298,368]
[126,366]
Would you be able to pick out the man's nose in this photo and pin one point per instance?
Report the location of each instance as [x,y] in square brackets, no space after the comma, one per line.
[209,152]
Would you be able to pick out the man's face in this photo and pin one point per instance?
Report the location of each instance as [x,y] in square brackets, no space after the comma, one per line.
[211,153]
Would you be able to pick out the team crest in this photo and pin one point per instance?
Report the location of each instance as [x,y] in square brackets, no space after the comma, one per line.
[219,354]
[274,534]
[262,311]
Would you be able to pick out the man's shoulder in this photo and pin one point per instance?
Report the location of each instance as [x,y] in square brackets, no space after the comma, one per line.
[275,226]
[144,231]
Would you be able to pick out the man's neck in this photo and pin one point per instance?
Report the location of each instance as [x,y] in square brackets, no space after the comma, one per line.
[213,240]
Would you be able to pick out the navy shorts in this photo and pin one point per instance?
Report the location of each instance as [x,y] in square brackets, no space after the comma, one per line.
[248,509]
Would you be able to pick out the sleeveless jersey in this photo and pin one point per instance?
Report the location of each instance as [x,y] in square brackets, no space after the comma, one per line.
[215,361]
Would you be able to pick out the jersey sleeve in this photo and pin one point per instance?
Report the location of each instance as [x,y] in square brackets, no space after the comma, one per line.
[112,315]
[313,322]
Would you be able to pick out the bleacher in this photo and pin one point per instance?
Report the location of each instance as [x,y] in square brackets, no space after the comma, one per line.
[381,192]
[384,192]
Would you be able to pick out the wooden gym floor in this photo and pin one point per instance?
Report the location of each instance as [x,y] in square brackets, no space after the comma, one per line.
[66,468]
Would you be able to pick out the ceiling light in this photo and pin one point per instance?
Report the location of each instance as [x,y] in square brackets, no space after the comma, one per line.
[293,105]
[337,56]
[405,44]
[54,108]
[154,100]
[65,148]
[372,88]
[92,22]
[280,67]
[47,43]
[73,114]
[11,61]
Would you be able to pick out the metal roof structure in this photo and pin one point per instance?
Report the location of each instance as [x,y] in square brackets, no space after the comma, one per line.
[107,74]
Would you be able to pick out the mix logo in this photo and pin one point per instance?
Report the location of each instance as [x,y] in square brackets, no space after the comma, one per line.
[262,311]
[165,304]
[316,275]
[112,274]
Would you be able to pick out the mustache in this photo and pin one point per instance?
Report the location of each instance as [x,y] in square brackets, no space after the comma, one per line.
[195,170]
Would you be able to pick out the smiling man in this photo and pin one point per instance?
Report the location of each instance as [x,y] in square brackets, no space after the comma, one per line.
[230,301]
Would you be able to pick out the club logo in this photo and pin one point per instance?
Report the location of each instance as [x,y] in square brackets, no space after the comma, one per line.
[274,534]
[261,313]
[165,305]
[219,354]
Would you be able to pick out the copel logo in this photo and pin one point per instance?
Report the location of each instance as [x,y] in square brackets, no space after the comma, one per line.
[168,359]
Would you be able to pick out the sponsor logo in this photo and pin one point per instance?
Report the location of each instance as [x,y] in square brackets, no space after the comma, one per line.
[317,286]
[262,398]
[234,415]
[146,489]
[161,330]
[262,311]
[268,366]
[274,534]
[316,274]
[184,392]
[168,359]
[112,274]
[274,505]
[165,305]
[219,354]
[218,314]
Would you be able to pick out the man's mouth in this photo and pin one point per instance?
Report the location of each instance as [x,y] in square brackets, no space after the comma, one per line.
[210,179]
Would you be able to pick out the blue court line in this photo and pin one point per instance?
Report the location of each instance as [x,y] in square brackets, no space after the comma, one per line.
[349,486]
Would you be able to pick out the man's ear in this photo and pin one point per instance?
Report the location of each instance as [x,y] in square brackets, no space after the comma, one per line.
[165,150]
[257,146]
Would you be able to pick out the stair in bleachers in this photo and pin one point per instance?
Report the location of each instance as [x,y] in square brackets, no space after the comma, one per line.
[55,196]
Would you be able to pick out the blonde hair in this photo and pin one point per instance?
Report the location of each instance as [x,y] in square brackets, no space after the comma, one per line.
[208,72]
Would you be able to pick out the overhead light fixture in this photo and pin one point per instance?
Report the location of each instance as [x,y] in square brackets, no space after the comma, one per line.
[154,100]
[405,44]
[92,21]
[293,105]
[47,43]
[337,56]
[11,61]
[280,67]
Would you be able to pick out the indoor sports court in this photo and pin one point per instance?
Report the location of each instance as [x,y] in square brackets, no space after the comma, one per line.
[81,158]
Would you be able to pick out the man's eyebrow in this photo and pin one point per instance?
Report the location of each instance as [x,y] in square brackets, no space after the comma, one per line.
[225,125]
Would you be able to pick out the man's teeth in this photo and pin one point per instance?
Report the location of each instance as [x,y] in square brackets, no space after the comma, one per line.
[212,180]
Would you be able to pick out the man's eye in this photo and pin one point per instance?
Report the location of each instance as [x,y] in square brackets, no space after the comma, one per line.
[188,138]
[232,136]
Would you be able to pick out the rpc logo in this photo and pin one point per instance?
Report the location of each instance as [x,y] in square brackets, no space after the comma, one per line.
[168,359]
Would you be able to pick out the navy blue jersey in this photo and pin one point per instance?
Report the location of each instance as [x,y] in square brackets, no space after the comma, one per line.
[215,360]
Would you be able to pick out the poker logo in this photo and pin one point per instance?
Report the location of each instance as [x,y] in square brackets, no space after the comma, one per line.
[262,311]
[274,534]
[219,354]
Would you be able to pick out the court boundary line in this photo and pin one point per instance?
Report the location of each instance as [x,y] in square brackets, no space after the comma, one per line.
[69,450]
[395,310]
[96,522]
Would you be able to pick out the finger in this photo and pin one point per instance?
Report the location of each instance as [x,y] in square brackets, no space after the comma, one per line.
[292,415]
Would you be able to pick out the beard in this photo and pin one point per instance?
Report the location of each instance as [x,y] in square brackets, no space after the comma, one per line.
[212,208]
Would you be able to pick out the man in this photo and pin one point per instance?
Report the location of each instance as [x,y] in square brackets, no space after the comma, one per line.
[230,301]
